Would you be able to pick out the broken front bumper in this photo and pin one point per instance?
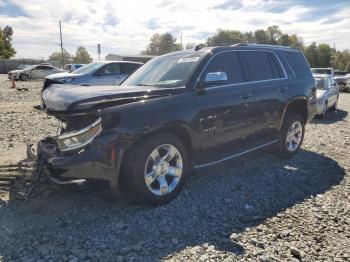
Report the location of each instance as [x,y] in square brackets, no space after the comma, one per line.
[98,160]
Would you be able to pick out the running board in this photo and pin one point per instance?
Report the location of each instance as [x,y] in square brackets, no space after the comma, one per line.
[236,155]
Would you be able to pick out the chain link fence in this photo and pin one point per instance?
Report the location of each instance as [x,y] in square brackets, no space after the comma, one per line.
[7,65]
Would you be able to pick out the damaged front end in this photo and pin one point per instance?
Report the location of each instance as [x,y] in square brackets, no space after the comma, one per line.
[83,150]
[88,145]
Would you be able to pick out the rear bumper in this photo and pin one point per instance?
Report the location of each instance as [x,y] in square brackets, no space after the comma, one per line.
[98,160]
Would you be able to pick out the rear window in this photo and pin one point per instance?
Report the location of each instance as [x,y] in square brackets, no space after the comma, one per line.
[298,63]
[257,66]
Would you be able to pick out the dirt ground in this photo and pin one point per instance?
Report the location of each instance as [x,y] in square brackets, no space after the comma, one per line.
[257,208]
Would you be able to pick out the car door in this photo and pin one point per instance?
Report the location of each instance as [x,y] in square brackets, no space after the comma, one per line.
[224,107]
[268,80]
[35,73]
[47,70]
[109,74]
[332,91]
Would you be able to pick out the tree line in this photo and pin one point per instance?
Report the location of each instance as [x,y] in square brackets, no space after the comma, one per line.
[81,56]
[318,55]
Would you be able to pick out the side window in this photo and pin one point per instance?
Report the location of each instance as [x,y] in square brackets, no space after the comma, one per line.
[298,63]
[228,63]
[39,67]
[275,65]
[256,65]
[109,70]
[127,69]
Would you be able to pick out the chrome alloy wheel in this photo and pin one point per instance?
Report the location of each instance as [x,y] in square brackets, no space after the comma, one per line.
[163,169]
[294,136]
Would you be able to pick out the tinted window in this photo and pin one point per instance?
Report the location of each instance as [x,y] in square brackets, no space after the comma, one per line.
[228,63]
[44,67]
[110,69]
[256,65]
[320,83]
[127,69]
[298,63]
[276,66]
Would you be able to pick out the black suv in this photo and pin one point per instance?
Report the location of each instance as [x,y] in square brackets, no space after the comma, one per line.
[180,111]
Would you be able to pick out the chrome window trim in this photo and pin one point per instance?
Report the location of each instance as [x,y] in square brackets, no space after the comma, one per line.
[248,82]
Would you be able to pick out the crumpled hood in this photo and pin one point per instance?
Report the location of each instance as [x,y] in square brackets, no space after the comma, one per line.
[76,98]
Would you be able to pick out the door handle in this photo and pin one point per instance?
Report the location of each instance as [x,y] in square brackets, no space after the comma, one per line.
[283,88]
[246,95]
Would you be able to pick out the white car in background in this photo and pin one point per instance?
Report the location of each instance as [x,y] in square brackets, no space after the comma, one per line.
[325,71]
[327,94]
[34,72]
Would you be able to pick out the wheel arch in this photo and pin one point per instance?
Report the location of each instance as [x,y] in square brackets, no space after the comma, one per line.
[297,105]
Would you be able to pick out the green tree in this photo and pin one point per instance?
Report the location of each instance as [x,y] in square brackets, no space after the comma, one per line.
[6,49]
[341,60]
[261,36]
[295,42]
[225,38]
[161,44]
[273,34]
[312,55]
[56,57]
[82,56]
[324,53]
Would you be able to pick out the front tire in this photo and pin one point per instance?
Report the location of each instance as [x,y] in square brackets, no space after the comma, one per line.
[23,77]
[155,170]
[291,136]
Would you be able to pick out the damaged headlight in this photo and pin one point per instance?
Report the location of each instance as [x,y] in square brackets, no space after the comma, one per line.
[78,139]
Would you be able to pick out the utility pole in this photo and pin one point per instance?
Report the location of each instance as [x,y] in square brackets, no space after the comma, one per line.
[59,22]
[181,40]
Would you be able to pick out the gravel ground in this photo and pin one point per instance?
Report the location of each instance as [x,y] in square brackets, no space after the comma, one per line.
[257,208]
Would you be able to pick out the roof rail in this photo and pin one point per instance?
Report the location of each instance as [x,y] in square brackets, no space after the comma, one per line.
[261,45]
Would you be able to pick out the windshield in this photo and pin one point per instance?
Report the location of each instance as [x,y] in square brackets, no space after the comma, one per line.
[89,68]
[166,71]
[320,83]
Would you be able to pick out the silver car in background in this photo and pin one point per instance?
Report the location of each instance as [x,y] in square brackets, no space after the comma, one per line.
[98,73]
[33,72]
[327,94]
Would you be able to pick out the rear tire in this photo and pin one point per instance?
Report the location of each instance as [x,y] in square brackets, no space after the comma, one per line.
[324,111]
[334,107]
[155,169]
[291,136]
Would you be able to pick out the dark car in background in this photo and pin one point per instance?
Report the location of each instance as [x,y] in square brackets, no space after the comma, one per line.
[180,111]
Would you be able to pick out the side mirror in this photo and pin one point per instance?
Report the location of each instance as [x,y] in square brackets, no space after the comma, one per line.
[212,78]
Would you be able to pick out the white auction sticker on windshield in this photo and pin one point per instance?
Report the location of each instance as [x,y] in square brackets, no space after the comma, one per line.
[188,59]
